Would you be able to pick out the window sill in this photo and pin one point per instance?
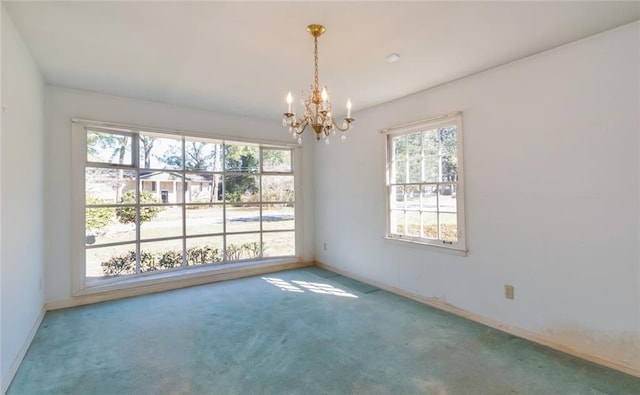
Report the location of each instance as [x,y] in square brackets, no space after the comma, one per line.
[426,246]
[183,278]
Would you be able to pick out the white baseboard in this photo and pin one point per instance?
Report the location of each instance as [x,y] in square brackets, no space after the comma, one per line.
[6,380]
[515,331]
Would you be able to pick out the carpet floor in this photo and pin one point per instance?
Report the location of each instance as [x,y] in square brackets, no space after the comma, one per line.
[305,331]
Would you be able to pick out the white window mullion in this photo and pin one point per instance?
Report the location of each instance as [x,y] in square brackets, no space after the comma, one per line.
[423,178]
[439,158]
[260,171]
[136,163]
[438,211]
[406,163]
[224,202]
[184,203]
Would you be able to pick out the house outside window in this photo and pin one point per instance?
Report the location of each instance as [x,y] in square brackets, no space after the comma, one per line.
[424,183]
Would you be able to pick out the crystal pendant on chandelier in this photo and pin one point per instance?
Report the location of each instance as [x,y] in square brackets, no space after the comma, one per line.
[317,106]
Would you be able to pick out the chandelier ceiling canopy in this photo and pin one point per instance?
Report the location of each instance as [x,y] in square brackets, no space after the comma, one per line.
[317,106]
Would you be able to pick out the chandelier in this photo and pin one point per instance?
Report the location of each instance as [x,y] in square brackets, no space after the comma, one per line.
[317,106]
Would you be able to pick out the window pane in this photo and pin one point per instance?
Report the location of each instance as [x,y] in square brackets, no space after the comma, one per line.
[449,168]
[279,244]
[160,255]
[431,169]
[276,217]
[160,152]
[399,172]
[160,221]
[448,140]
[203,155]
[449,153]
[110,261]
[414,147]
[241,189]
[146,146]
[106,186]
[204,250]
[415,170]
[243,158]
[430,225]
[447,198]
[102,227]
[399,148]
[413,223]
[429,198]
[448,227]
[430,143]
[241,247]
[127,214]
[396,222]
[397,197]
[242,217]
[412,194]
[204,219]
[106,147]
[277,189]
[203,188]
[276,160]
[161,187]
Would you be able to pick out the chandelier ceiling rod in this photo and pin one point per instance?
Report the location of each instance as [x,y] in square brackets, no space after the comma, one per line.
[316,31]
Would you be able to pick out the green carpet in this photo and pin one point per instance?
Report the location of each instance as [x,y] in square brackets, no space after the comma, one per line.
[293,332]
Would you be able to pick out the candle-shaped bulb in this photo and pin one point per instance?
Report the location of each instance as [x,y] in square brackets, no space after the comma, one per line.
[325,95]
[348,108]
[289,101]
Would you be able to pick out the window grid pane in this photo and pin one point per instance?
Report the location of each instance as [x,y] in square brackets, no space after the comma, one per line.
[111,148]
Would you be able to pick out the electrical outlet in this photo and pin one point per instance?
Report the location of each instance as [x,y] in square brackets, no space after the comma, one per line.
[508,291]
[324,246]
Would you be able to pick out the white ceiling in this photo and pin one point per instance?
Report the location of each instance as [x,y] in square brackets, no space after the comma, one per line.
[243,57]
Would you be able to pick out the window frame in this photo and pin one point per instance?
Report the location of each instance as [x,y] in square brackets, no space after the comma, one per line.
[458,247]
[80,161]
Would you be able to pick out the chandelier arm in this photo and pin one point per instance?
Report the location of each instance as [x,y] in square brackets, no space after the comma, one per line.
[348,121]
[302,127]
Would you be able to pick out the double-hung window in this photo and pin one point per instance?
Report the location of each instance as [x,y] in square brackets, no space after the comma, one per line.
[424,183]
[157,202]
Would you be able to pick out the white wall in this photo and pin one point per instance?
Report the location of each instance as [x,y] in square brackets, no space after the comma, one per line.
[64,104]
[21,164]
[552,181]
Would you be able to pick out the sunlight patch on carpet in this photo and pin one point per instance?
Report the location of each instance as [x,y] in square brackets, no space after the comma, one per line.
[301,286]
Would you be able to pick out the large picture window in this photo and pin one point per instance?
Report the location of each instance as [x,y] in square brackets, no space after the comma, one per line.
[425,199]
[158,202]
